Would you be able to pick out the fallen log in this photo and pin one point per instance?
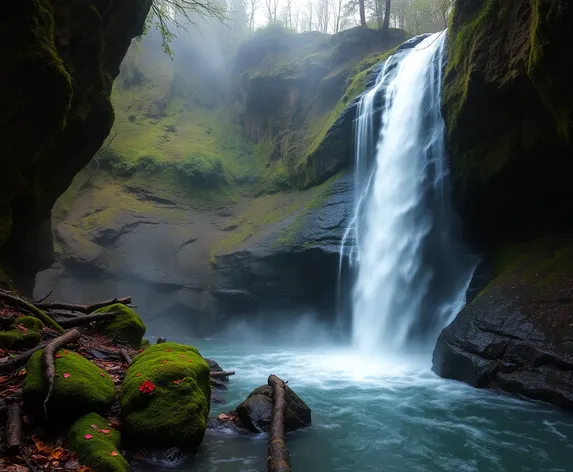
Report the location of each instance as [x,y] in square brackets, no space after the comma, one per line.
[14,429]
[278,456]
[34,310]
[20,359]
[125,356]
[87,309]
[48,359]
[87,319]
[222,373]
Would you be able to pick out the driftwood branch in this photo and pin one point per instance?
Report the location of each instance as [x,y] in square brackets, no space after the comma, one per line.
[222,373]
[83,308]
[125,356]
[48,359]
[87,319]
[14,428]
[37,312]
[20,360]
[278,456]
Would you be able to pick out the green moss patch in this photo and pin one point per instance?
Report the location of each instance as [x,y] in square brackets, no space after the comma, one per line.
[175,412]
[26,333]
[126,328]
[87,388]
[29,322]
[101,451]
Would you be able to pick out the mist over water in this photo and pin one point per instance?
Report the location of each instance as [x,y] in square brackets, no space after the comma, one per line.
[412,269]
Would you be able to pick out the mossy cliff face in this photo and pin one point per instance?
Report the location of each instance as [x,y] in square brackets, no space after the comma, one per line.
[508,106]
[59,60]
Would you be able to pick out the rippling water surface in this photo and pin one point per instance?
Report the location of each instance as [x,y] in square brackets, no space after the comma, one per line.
[382,414]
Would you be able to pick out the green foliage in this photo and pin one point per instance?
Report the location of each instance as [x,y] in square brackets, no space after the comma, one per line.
[175,413]
[88,388]
[126,328]
[200,170]
[97,452]
[18,339]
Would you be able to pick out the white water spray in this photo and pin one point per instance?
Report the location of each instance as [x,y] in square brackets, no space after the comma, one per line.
[412,271]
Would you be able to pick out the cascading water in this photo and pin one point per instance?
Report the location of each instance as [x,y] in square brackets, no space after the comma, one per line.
[412,271]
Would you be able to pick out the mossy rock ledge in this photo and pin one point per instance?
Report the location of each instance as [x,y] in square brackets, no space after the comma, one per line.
[101,451]
[87,388]
[126,328]
[18,338]
[175,413]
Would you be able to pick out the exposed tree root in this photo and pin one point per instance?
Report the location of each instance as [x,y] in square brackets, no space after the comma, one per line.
[20,359]
[222,373]
[87,319]
[48,359]
[35,311]
[124,356]
[83,308]
[278,456]
[14,428]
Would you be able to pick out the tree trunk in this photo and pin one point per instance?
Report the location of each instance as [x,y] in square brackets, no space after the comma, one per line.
[87,319]
[83,308]
[386,25]
[278,455]
[362,12]
[222,373]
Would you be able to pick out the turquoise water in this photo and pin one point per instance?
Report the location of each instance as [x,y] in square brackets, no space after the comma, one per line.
[380,415]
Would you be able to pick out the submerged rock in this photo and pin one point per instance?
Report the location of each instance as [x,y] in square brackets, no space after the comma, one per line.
[517,334]
[86,389]
[126,328]
[102,450]
[255,413]
[174,411]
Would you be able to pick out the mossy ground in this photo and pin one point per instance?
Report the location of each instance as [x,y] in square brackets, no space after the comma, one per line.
[25,333]
[87,389]
[126,328]
[175,413]
[102,452]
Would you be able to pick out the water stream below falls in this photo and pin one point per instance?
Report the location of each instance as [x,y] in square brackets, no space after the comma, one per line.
[385,415]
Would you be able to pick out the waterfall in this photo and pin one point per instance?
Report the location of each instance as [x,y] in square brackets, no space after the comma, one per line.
[412,269]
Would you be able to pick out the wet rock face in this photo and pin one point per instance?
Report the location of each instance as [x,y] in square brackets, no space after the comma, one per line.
[60,60]
[272,273]
[255,413]
[517,335]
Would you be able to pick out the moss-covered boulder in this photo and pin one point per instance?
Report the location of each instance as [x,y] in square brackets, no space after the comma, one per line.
[100,450]
[126,328]
[86,389]
[25,333]
[175,412]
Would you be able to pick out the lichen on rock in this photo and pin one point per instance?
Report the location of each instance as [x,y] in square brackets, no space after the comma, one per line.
[86,389]
[96,444]
[126,328]
[171,409]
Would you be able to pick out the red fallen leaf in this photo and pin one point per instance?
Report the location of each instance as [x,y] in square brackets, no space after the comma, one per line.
[147,387]
[59,454]
[141,350]
[4,378]
[93,426]
[23,328]
[189,360]
[102,374]
[163,361]
[114,453]
[57,356]
[182,357]
[138,374]
[88,436]
[66,375]
[105,431]
[177,382]
[66,351]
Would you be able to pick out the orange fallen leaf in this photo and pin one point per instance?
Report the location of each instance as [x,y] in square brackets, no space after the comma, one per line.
[57,356]
[88,436]
[138,374]
[66,351]
[168,350]
[114,453]
[182,357]
[66,375]
[84,468]
[163,361]
[58,453]
[189,360]
[22,372]
[102,374]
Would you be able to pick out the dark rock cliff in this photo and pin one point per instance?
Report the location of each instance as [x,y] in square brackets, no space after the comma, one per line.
[508,106]
[59,60]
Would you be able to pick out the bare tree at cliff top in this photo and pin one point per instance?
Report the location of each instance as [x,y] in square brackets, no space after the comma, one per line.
[170,15]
